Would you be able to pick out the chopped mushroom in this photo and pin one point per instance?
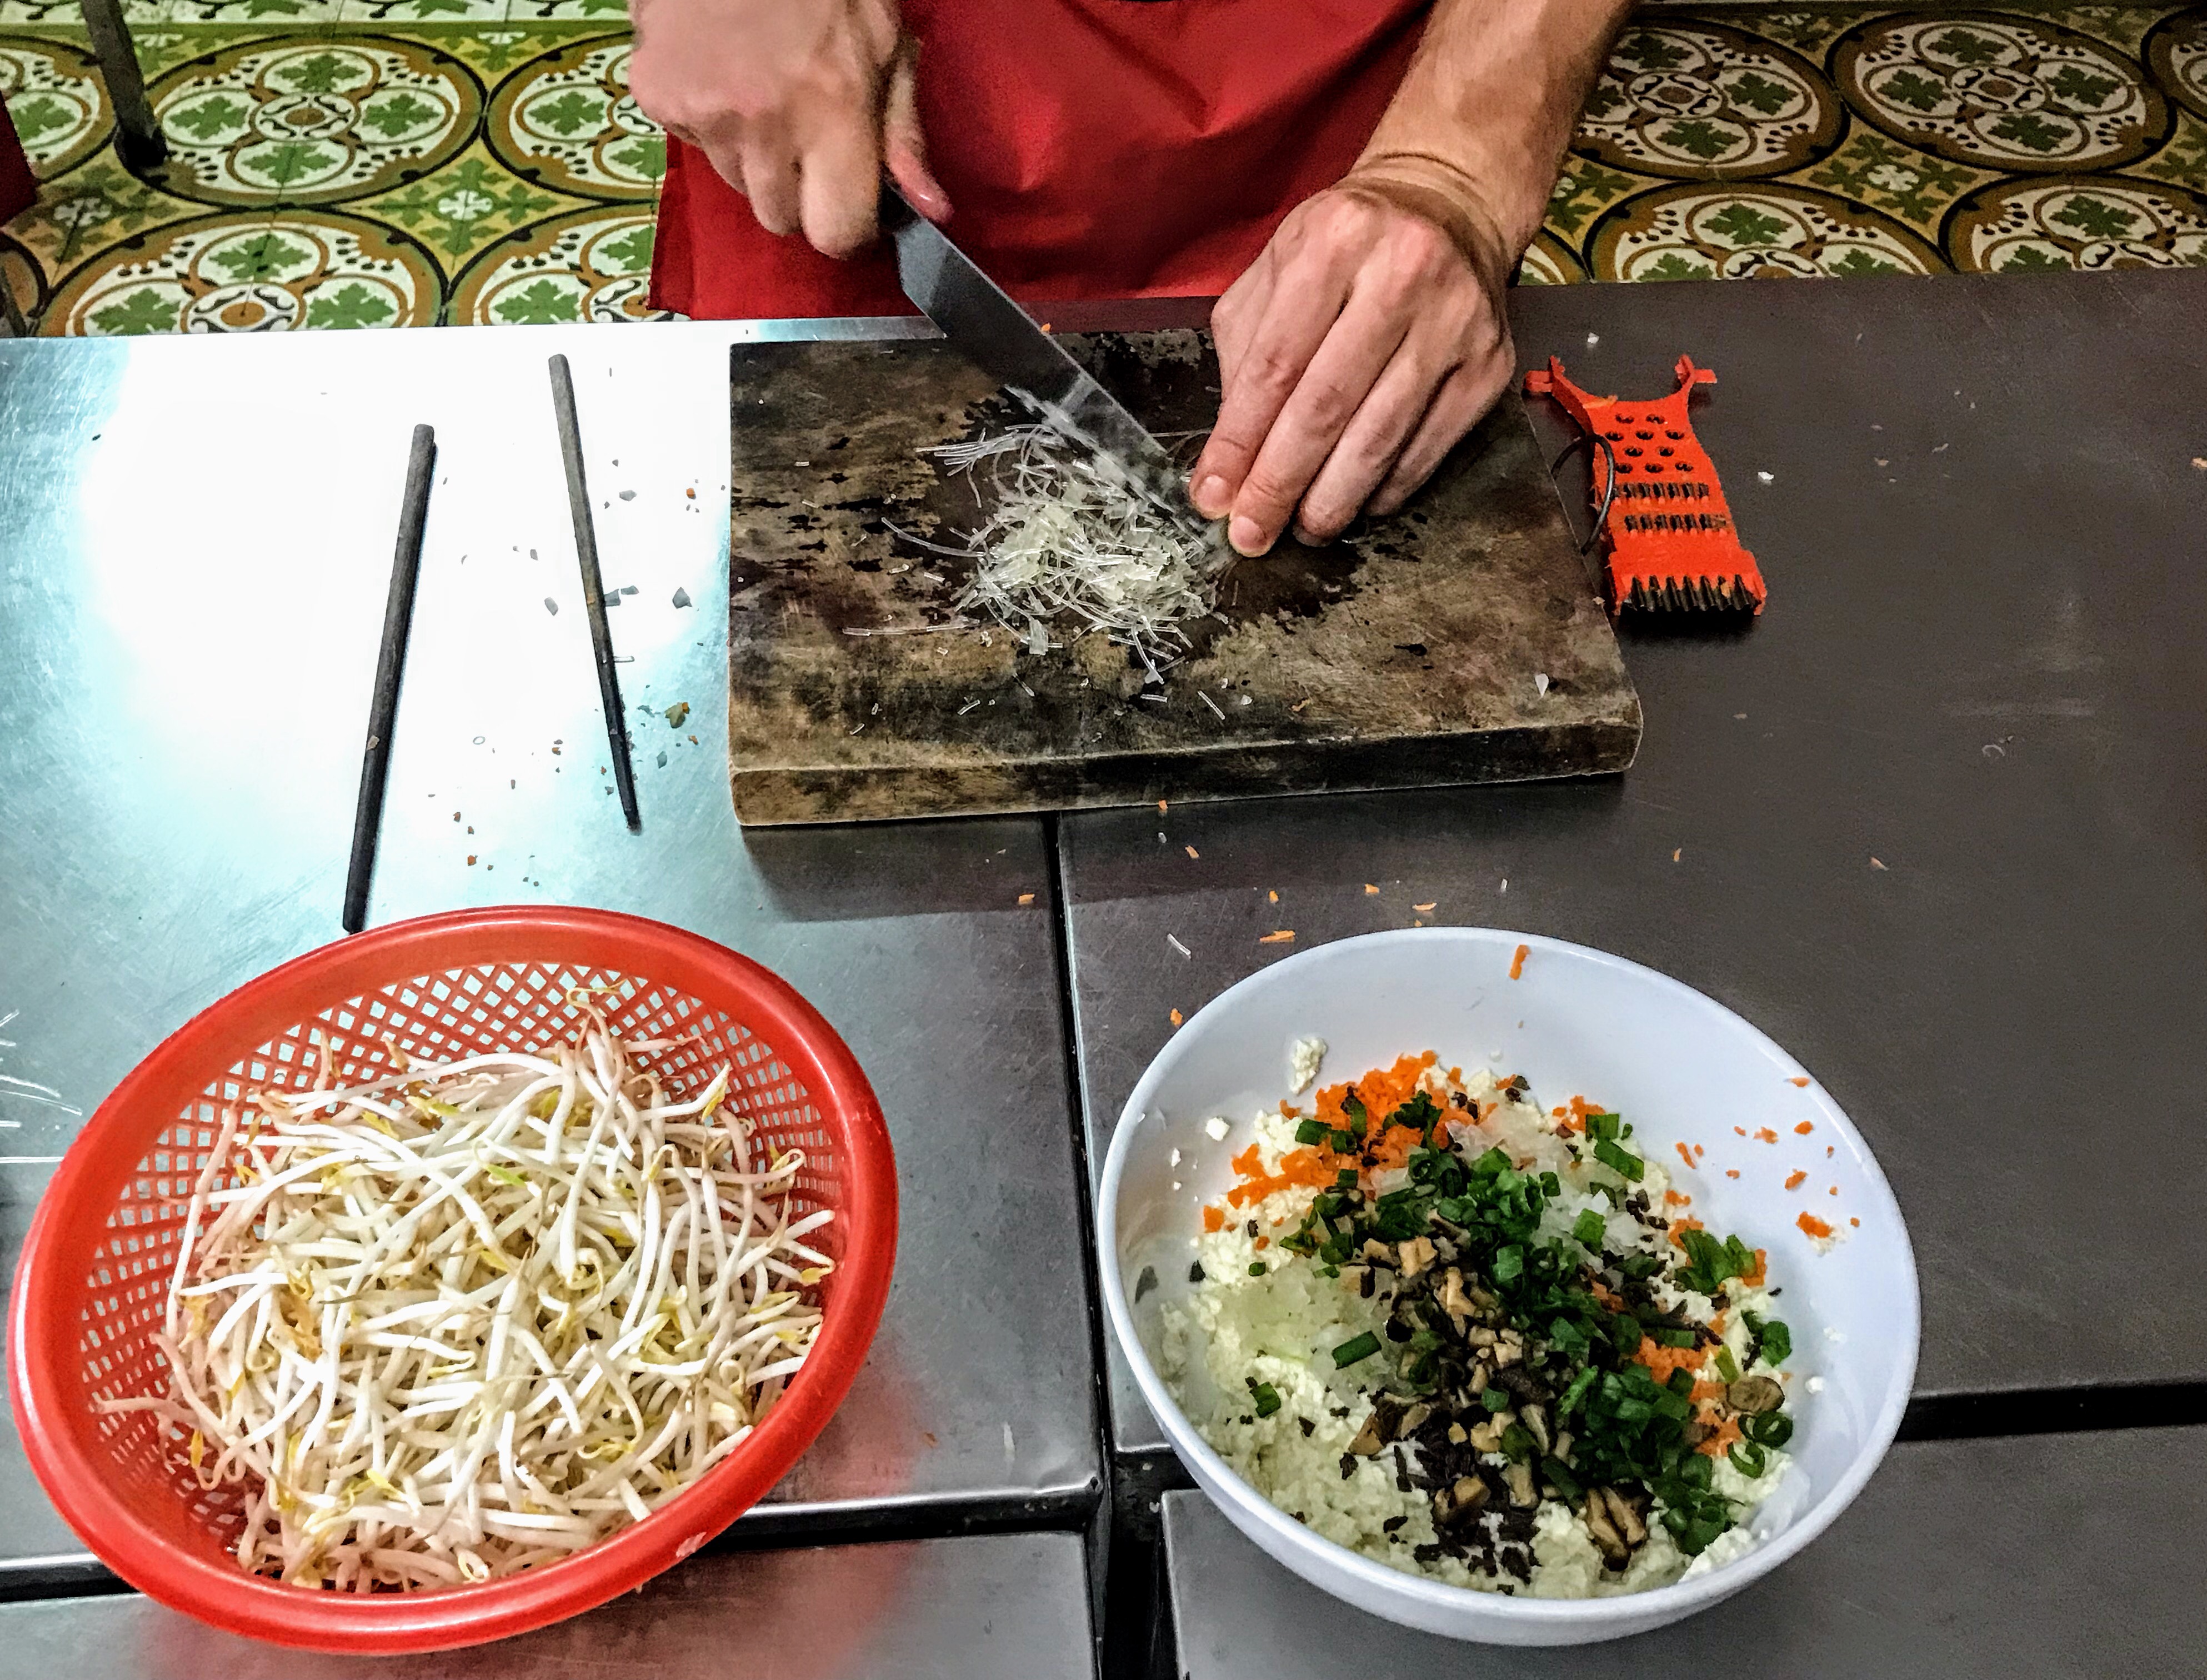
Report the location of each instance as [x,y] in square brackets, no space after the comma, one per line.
[1756,1395]
[1417,1254]
[1614,1552]
[1622,1514]
[1454,1301]
[1518,1479]
[1535,1419]
[1456,1504]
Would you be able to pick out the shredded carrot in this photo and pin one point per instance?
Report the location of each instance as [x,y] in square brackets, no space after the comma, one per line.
[1161,805]
[1214,1219]
[1661,1362]
[1518,962]
[1672,1199]
[1685,1155]
[1262,1242]
[1805,1128]
[1607,1296]
[1287,1109]
[1708,1388]
[1370,891]
[1828,1150]
[1680,1226]
[1026,898]
[1249,1164]
[1801,1080]
[1192,852]
[1732,1172]
[1176,1018]
[1763,1134]
[1699,1151]
[1835,1190]
[1742,1130]
[1425,909]
[1274,897]
[1284,936]
[1727,1432]
[1814,1226]
[1799,1177]
[1854,1222]
[1753,1279]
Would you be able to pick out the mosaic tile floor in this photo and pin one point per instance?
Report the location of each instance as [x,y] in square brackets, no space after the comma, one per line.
[383,163]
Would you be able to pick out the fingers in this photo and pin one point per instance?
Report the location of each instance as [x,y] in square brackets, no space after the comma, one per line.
[904,147]
[1369,444]
[1336,389]
[1460,403]
[1268,366]
[770,181]
[840,189]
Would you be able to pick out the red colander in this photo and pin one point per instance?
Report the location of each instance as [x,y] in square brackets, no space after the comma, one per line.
[91,1282]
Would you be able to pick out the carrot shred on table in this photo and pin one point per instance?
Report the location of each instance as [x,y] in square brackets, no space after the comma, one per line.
[1754,1280]
[1684,1154]
[1835,1190]
[1699,1151]
[1518,962]
[1672,1199]
[1854,1222]
[1742,1130]
[1287,1109]
[1732,1172]
[1176,1018]
[1370,891]
[1425,909]
[1814,1226]
[1796,1179]
[1214,1219]
[1763,1134]
[1285,935]
[1026,898]
[1805,1128]
[1801,1080]
[1192,852]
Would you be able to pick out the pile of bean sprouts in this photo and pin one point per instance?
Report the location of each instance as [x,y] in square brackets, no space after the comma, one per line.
[470,1318]
[1070,548]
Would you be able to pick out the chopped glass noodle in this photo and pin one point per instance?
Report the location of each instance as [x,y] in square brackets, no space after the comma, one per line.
[1069,548]
[470,1318]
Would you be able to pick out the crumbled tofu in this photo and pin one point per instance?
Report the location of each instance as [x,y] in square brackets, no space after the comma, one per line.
[1176,1157]
[1217,1128]
[1303,1062]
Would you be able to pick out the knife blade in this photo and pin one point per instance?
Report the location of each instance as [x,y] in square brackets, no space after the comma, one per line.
[1001,339]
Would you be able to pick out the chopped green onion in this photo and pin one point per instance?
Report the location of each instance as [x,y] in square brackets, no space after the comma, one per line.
[1589,1227]
[1727,1366]
[1310,1131]
[1566,1483]
[1776,1342]
[1256,1268]
[1517,1443]
[1343,1143]
[1495,1400]
[1509,1263]
[1267,1397]
[1358,1117]
[1575,1393]
[1356,1347]
[1345,1179]
[1748,1459]
[1623,1163]
[1671,1338]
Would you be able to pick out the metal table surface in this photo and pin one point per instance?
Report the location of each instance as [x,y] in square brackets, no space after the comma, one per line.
[992,1607]
[194,545]
[2051,1556]
[1982,666]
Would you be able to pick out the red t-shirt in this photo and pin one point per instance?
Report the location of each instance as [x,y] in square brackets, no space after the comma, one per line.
[1091,148]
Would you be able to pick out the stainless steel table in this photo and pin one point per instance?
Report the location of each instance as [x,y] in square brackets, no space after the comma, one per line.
[999,1607]
[2051,1556]
[1938,816]
[195,542]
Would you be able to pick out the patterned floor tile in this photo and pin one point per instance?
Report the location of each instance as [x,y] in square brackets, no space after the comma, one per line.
[288,13]
[592,265]
[2088,222]
[2176,54]
[1751,231]
[243,272]
[316,120]
[421,11]
[2001,91]
[93,207]
[57,100]
[470,203]
[567,120]
[1918,188]
[23,276]
[1705,101]
[1549,262]
[570,11]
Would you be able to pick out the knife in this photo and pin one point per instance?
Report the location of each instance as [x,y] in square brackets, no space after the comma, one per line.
[1001,339]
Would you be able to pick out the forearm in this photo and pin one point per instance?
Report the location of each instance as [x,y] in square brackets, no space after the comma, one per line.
[1477,130]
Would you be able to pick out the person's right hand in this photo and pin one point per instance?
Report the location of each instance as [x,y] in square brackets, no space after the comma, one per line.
[799,104]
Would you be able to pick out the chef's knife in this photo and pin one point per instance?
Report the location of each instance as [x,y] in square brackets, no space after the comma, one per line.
[1002,340]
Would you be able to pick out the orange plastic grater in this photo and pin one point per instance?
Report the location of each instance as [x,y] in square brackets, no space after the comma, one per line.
[1658,505]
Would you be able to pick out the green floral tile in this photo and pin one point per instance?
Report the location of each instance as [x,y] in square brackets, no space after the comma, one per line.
[466,205]
[2183,161]
[93,206]
[1918,188]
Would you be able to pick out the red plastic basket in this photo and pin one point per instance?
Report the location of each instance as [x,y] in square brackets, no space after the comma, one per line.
[93,1275]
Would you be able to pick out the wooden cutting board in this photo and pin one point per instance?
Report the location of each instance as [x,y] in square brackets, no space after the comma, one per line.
[1413,657]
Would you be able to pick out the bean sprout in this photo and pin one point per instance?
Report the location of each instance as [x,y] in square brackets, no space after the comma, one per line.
[468,1319]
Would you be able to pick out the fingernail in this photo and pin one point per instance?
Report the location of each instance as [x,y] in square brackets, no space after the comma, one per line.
[1247,536]
[1212,497]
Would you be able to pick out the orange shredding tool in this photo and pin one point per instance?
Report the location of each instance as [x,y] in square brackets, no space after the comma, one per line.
[1658,505]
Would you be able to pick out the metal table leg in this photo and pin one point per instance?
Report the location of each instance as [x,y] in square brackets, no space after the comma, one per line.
[138,137]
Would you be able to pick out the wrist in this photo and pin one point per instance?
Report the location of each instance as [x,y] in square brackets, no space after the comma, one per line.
[1453,200]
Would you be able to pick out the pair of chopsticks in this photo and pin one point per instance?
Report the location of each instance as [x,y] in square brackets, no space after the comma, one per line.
[397,624]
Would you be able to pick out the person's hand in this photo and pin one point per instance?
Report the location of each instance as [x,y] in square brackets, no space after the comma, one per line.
[1360,346]
[799,104]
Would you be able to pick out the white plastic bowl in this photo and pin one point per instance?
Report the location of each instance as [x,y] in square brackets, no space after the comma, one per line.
[1680,1068]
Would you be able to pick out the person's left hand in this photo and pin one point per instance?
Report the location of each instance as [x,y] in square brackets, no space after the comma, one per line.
[1363,343]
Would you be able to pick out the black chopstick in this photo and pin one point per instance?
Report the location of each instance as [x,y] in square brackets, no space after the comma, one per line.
[594,588]
[383,707]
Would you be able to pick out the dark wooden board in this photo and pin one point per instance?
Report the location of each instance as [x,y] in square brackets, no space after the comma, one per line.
[1407,659]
